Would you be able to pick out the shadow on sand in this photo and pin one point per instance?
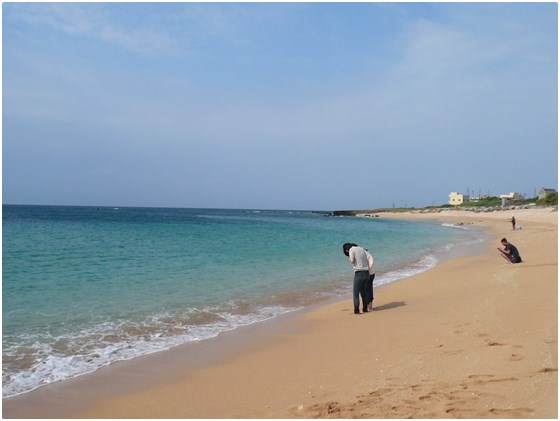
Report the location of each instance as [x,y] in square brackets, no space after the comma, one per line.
[389,306]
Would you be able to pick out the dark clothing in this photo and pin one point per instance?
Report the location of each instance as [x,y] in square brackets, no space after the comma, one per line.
[361,278]
[514,253]
[370,288]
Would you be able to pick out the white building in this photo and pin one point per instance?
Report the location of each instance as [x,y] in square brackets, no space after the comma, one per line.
[457,199]
[511,197]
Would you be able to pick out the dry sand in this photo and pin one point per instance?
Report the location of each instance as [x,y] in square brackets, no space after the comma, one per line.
[475,337]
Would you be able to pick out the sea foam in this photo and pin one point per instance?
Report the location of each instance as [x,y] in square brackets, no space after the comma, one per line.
[86,287]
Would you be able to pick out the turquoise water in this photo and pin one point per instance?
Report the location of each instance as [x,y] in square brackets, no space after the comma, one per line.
[84,287]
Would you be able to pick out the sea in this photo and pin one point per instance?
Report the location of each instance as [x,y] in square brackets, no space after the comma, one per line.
[85,287]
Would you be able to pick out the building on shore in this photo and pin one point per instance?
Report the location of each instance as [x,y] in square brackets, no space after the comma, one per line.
[456,199]
[545,192]
[511,197]
[478,198]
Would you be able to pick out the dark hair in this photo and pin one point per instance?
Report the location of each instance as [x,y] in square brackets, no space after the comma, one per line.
[346,248]
[504,240]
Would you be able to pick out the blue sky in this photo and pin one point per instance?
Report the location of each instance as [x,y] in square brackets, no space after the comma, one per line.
[277,105]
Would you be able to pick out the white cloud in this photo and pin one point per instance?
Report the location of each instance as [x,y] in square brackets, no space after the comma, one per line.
[94,22]
[149,28]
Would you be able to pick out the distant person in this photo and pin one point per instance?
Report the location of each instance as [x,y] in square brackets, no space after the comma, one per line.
[358,257]
[510,252]
[512,220]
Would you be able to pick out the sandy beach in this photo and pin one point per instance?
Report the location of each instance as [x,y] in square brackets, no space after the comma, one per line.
[475,337]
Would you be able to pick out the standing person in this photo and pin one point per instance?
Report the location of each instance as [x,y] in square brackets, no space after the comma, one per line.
[512,220]
[510,252]
[358,257]
[371,264]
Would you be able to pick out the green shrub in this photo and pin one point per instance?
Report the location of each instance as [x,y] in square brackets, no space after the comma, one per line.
[486,202]
[551,199]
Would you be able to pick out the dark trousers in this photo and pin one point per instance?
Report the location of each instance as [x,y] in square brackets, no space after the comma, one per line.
[514,259]
[370,288]
[361,279]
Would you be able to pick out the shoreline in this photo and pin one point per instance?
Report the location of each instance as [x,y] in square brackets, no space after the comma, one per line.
[275,370]
[58,400]
[389,274]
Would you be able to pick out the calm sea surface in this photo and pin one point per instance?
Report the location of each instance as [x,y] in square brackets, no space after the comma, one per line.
[84,286]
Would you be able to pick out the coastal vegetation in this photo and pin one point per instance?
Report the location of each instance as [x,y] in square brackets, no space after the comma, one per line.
[486,204]
[550,200]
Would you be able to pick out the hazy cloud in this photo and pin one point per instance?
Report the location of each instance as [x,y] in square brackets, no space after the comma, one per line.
[276,105]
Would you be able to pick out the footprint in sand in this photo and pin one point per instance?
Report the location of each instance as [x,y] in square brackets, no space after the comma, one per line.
[483,379]
[511,412]
[460,412]
[516,357]
[478,376]
[493,343]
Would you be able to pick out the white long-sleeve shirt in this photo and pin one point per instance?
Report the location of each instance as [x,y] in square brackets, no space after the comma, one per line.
[358,257]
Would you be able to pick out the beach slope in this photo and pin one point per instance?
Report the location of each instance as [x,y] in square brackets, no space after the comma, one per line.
[475,337]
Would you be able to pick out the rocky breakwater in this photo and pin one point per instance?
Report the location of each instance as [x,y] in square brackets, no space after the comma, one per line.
[367,212]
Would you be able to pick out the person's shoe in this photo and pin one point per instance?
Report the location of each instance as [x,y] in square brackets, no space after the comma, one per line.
[365,310]
[356,310]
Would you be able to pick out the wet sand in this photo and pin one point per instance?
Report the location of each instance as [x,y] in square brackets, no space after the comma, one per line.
[475,337]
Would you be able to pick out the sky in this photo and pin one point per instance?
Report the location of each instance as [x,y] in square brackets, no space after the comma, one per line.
[317,106]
